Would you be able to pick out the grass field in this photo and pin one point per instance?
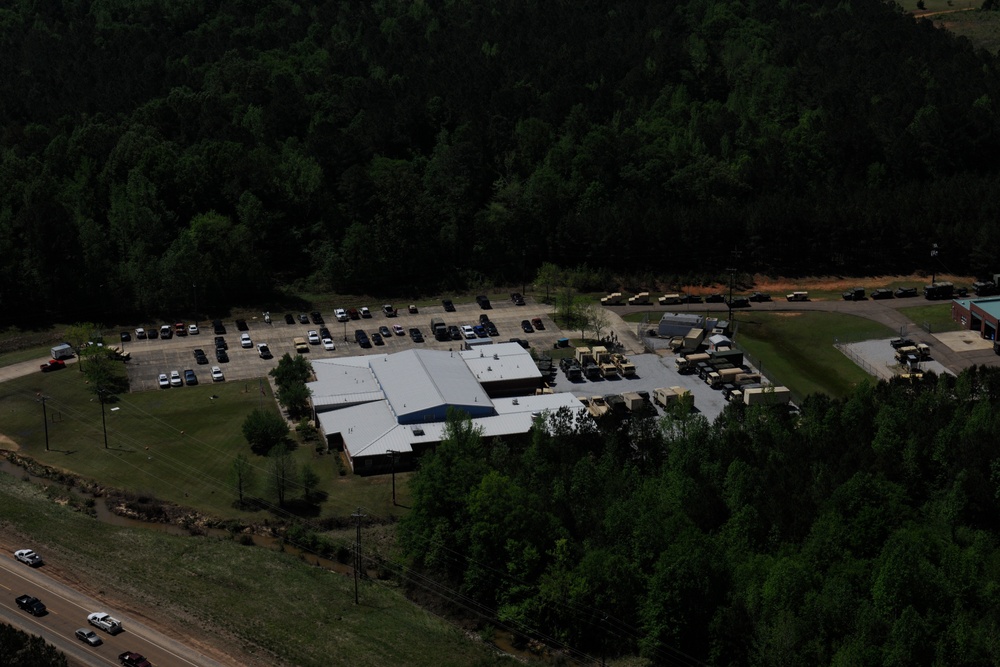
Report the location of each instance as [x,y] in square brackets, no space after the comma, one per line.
[938,317]
[259,602]
[175,445]
[796,349]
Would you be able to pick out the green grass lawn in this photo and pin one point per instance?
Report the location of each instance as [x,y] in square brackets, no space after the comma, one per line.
[270,605]
[796,349]
[937,316]
[176,444]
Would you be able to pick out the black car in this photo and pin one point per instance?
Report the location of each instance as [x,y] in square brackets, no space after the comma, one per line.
[303,318]
[449,307]
[316,317]
[695,298]
[190,378]
[760,297]
[526,326]
[153,333]
[491,330]
[416,335]
[199,356]
[218,327]
[906,292]
[484,318]
[362,338]
[715,298]
[221,355]
[242,325]
[126,336]
[900,342]
[324,333]
[739,302]
[220,342]
[520,341]
[376,338]
[483,302]
[289,318]
[454,332]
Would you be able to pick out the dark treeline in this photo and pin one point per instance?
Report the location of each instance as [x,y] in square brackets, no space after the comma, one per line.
[863,531]
[166,155]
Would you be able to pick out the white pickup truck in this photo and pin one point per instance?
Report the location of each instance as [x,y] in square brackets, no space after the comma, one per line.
[105,622]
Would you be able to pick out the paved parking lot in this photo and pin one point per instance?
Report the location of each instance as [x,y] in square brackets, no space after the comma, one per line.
[152,357]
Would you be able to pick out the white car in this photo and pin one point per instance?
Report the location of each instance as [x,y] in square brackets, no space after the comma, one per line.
[193,329]
[217,375]
[398,330]
[163,380]
[363,310]
[468,332]
[175,379]
[28,557]
[263,351]
[328,344]
[140,333]
[340,314]
[245,340]
[313,336]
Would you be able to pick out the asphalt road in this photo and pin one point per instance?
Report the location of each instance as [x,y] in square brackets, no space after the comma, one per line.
[68,610]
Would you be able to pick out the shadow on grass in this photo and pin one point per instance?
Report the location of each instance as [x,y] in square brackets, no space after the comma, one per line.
[301,508]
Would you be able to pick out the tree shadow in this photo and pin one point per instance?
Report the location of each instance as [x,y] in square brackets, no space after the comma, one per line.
[301,508]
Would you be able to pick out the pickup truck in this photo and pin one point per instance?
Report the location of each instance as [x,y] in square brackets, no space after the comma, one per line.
[105,622]
[53,365]
[131,659]
[30,604]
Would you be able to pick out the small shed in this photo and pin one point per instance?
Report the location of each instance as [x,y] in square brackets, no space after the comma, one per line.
[719,342]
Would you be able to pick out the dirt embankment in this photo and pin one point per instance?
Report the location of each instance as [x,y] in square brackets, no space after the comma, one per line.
[778,285]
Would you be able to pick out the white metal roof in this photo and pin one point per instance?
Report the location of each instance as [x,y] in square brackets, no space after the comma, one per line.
[418,382]
[505,361]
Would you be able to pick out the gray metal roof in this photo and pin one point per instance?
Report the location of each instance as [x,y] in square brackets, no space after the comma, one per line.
[418,382]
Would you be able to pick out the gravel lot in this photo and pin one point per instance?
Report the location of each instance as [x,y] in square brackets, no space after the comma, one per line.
[878,358]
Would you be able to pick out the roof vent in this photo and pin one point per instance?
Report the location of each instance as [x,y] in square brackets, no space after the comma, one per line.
[489,369]
[496,356]
[514,402]
[417,429]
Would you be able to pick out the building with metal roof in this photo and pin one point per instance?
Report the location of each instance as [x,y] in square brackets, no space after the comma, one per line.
[982,315]
[377,406]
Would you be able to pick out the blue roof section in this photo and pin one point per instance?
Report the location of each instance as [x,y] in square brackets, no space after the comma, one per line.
[964,303]
[989,306]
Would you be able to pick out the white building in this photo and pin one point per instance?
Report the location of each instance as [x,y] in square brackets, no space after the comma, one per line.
[396,404]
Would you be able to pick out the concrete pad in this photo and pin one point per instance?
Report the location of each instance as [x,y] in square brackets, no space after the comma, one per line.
[964,341]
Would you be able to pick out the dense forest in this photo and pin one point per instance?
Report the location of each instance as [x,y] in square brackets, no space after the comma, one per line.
[161,156]
[861,531]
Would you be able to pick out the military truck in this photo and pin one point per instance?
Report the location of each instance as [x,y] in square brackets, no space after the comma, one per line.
[688,363]
[624,365]
[613,299]
[603,359]
[640,299]
[770,395]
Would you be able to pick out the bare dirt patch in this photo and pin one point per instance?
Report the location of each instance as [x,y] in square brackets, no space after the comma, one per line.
[779,284]
[8,444]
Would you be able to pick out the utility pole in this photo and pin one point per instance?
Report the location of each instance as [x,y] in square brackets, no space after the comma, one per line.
[45,421]
[104,424]
[392,462]
[357,516]
[734,255]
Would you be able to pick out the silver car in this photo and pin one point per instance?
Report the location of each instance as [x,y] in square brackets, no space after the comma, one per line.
[86,635]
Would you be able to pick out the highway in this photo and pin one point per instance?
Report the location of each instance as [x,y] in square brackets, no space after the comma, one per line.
[67,611]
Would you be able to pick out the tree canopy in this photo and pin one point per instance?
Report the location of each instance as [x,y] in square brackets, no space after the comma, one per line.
[859,531]
[164,156]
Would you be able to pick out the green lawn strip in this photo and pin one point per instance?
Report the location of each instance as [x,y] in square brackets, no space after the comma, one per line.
[176,444]
[938,316]
[41,353]
[797,350]
[264,601]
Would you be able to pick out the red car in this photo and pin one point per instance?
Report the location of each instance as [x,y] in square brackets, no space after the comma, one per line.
[53,365]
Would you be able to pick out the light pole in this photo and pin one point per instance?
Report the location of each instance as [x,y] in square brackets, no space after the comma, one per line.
[392,462]
[934,254]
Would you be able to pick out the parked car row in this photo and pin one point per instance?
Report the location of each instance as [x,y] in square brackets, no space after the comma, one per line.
[175,379]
